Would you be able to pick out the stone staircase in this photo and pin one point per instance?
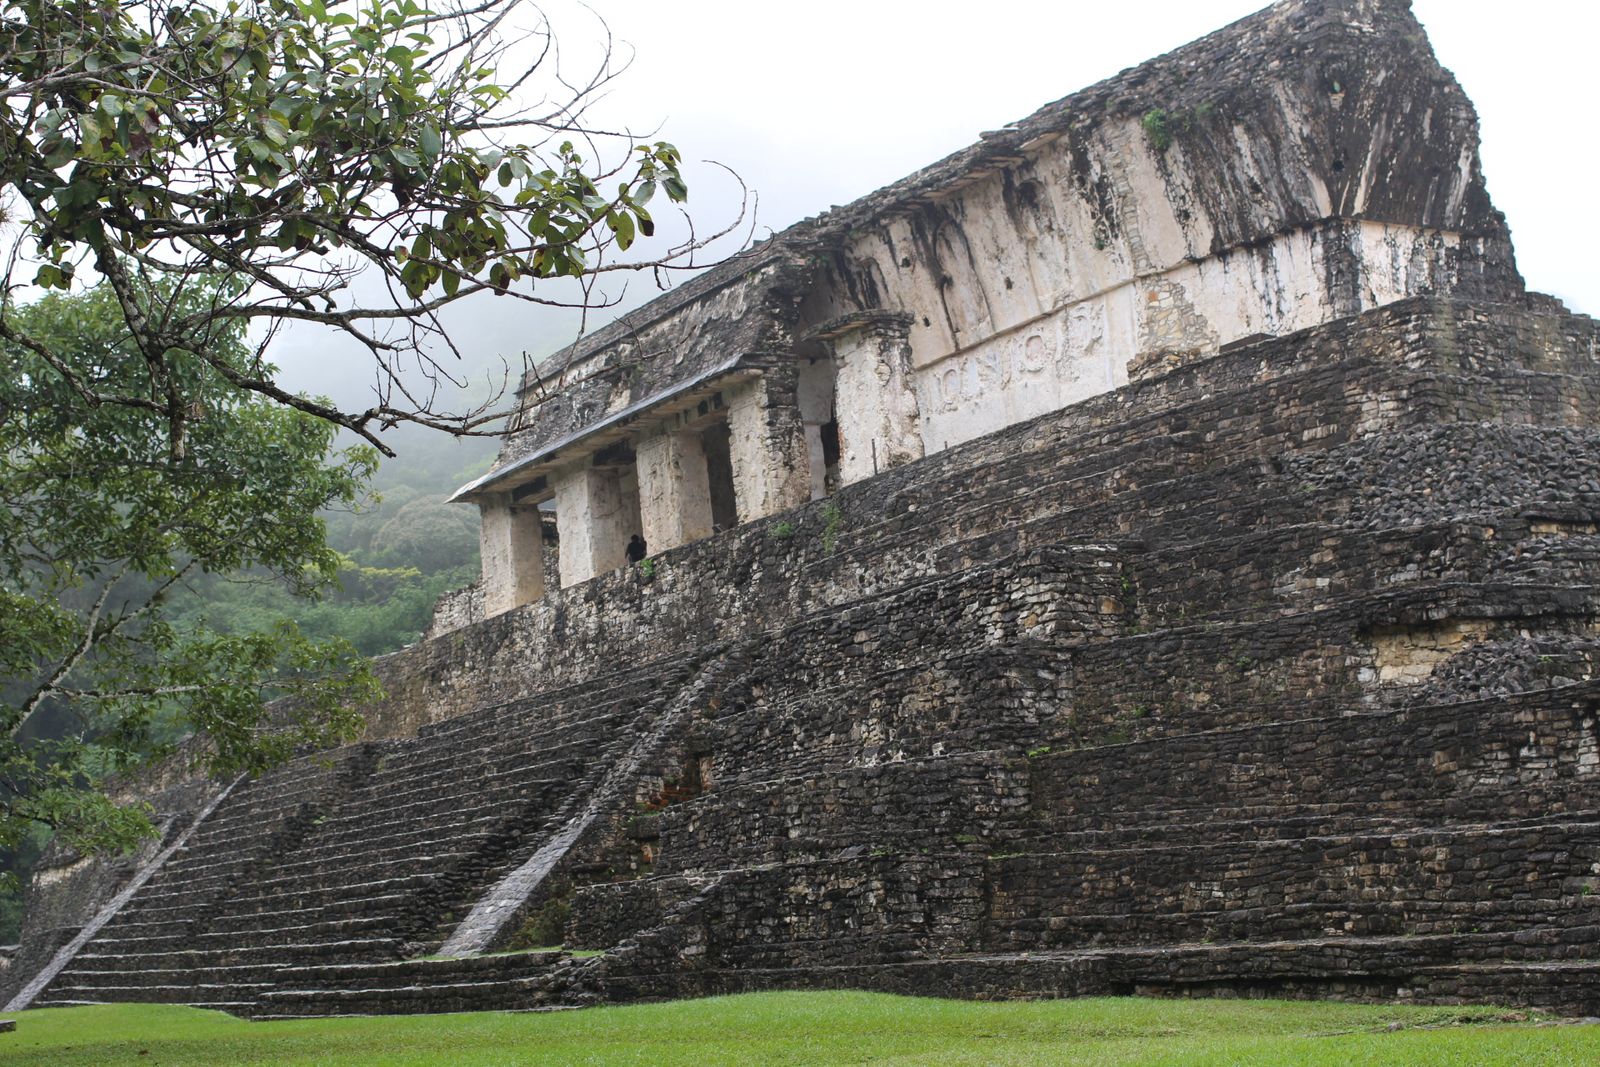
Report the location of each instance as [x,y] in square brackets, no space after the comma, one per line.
[520,981]
[1176,691]
[311,866]
[1234,787]
[146,951]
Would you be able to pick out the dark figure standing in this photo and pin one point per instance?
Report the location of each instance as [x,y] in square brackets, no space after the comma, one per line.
[636,549]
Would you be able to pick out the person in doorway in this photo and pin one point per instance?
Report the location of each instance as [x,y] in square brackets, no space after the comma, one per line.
[636,549]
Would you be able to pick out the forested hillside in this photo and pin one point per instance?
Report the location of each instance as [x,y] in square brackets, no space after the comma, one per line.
[400,551]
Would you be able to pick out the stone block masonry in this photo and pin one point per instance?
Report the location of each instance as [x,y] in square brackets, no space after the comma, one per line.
[1136,226]
[1137,706]
[1152,551]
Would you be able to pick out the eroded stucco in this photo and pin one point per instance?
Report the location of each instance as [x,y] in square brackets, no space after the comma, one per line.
[1308,163]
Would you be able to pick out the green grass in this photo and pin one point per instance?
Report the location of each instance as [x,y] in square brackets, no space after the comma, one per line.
[817,1028]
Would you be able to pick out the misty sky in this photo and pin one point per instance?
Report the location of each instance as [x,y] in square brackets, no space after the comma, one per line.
[819,103]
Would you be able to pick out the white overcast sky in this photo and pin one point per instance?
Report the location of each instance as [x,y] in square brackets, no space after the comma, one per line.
[817,103]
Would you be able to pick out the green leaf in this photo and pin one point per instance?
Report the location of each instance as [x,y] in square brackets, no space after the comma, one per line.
[430,142]
[622,224]
[59,151]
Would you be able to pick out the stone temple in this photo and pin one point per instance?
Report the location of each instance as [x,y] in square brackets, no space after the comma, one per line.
[1152,550]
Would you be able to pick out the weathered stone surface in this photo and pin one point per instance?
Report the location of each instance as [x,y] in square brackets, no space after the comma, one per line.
[1305,164]
[1263,666]
[512,549]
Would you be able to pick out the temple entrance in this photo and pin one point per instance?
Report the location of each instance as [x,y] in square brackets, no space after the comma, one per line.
[632,522]
[597,509]
[714,439]
[815,394]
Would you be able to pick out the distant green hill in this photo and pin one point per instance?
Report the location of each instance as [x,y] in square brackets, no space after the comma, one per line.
[401,552]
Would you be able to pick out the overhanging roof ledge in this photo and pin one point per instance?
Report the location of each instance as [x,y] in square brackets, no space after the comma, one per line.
[597,435]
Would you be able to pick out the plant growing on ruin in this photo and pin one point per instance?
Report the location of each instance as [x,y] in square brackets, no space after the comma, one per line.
[545,926]
[1161,126]
[783,531]
[647,569]
[1157,125]
[833,523]
[294,145]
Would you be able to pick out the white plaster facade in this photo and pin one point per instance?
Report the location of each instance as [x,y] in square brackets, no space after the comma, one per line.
[771,468]
[1058,259]
[512,548]
[674,490]
[1024,296]
[595,521]
[874,403]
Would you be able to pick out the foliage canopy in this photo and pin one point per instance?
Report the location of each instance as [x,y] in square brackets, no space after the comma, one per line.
[101,527]
[289,145]
[185,178]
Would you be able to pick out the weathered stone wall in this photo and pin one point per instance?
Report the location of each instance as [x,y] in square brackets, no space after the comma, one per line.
[747,305]
[1305,164]
[1270,670]
[1522,758]
[458,608]
[1279,428]
[1300,831]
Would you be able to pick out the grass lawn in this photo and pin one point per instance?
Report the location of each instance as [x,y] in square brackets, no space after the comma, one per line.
[816,1028]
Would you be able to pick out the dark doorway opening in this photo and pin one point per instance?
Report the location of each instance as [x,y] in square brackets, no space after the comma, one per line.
[719,474]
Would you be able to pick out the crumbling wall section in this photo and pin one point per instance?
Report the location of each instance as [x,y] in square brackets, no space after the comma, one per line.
[1307,163]
[1396,394]
[746,306]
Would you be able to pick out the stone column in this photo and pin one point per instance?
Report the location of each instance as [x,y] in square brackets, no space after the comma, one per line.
[512,545]
[674,490]
[771,469]
[817,468]
[594,522]
[880,423]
